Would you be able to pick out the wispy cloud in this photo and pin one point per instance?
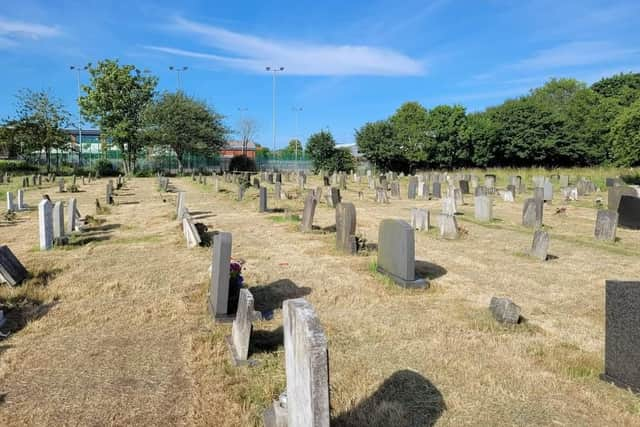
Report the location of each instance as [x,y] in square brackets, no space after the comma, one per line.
[253,53]
[11,31]
[575,54]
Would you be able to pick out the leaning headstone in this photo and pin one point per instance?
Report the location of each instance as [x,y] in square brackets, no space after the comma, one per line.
[606,224]
[308,213]
[240,336]
[346,228]
[504,310]
[540,245]
[532,213]
[333,197]
[629,212]
[448,226]
[45,224]
[191,235]
[483,209]
[622,334]
[11,270]
[58,221]
[219,291]
[180,207]
[263,200]
[420,219]
[396,253]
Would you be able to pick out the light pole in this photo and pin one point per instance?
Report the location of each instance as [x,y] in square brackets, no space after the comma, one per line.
[79,69]
[274,71]
[179,71]
[297,110]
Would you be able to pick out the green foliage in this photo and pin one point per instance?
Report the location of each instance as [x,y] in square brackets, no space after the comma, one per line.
[410,127]
[624,89]
[320,148]
[104,167]
[242,164]
[115,99]
[626,136]
[377,142]
[17,166]
[341,160]
[294,147]
[184,125]
[445,146]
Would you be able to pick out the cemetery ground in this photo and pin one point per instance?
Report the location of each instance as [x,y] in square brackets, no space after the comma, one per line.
[113,328]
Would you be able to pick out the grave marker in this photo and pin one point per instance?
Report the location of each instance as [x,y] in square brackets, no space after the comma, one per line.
[58,222]
[606,224]
[219,286]
[483,209]
[629,212]
[532,213]
[241,329]
[448,226]
[420,219]
[346,228]
[540,245]
[396,253]
[45,224]
[504,310]
[11,270]
[308,213]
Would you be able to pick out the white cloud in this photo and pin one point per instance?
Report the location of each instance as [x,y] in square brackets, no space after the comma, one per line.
[11,30]
[254,53]
[575,54]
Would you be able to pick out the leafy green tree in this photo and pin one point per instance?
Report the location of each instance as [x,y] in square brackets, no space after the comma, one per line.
[410,123]
[378,144]
[481,136]
[292,149]
[341,160]
[320,148]
[114,100]
[626,136]
[445,144]
[624,88]
[185,125]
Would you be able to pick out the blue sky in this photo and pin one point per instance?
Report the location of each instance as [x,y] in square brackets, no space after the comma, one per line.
[346,63]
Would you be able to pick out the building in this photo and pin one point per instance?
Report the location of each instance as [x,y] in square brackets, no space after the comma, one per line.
[234,148]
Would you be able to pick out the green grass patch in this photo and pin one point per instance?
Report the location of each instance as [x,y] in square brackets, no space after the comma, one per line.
[285,218]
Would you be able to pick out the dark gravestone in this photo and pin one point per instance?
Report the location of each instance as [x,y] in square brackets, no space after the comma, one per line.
[219,289]
[333,197]
[512,188]
[464,186]
[11,270]
[540,245]
[413,188]
[346,228]
[532,213]
[615,193]
[256,182]
[325,180]
[504,310]
[481,190]
[622,334]
[629,212]
[309,211]
[612,182]
[109,193]
[437,193]
[606,224]
[279,178]
[396,253]
[263,199]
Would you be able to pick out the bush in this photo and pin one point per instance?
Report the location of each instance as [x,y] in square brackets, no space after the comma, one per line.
[242,164]
[17,166]
[105,168]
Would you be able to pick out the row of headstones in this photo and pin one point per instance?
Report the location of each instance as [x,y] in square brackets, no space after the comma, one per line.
[13,206]
[51,222]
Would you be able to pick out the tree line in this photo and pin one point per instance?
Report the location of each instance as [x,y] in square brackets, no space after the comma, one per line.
[563,123]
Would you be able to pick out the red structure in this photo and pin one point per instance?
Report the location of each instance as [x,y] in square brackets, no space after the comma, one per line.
[235,148]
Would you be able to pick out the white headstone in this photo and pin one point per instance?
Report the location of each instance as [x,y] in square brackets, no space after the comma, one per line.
[45,223]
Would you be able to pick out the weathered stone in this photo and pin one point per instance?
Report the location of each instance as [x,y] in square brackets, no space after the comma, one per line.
[109,193]
[45,224]
[346,228]
[448,226]
[412,189]
[333,197]
[532,213]
[420,219]
[21,205]
[191,235]
[464,186]
[513,189]
[490,182]
[11,270]
[263,200]
[241,328]
[507,196]
[396,253]
[436,193]
[219,286]
[606,224]
[381,195]
[308,213]
[449,206]
[58,221]
[72,215]
[61,185]
[564,181]
[481,190]
[547,191]
[180,206]
[538,193]
[540,245]
[395,189]
[622,334]
[10,205]
[504,310]
[629,212]
[483,209]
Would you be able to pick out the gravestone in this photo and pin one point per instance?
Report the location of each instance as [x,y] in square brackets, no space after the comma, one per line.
[504,310]
[422,190]
[277,190]
[72,215]
[61,185]
[381,195]
[507,196]
[629,212]
[58,222]
[240,192]
[325,181]
[346,228]
[437,193]
[333,197]
[540,245]
[449,206]
[343,181]
[490,182]
[622,334]
[464,186]
[308,213]
[538,194]
[395,189]
[483,209]
[396,253]
[256,183]
[219,286]
[420,219]
[109,193]
[564,181]
[413,188]
[241,329]
[606,224]
[11,270]
[21,205]
[481,190]
[532,213]
[263,200]
[306,369]
[448,226]
[512,188]
[45,224]
[547,190]
[191,235]
[180,208]
[10,205]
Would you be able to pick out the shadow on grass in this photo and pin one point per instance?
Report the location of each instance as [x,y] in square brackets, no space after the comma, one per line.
[21,310]
[271,296]
[98,228]
[405,399]
[429,270]
[328,229]
[266,341]
[128,203]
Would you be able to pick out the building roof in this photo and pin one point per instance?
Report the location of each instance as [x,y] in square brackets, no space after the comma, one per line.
[237,145]
[85,132]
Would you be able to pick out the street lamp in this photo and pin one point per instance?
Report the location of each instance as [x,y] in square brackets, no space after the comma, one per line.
[274,70]
[297,110]
[78,70]
[179,71]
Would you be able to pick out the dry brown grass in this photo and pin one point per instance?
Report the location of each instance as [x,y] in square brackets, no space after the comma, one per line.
[126,339]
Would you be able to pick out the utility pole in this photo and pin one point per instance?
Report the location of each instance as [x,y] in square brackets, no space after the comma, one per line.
[297,110]
[79,69]
[179,71]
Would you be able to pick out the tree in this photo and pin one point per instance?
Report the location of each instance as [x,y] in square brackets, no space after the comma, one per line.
[378,144]
[114,100]
[481,136]
[626,136]
[410,124]
[185,125]
[247,129]
[320,148]
[37,128]
[623,88]
[293,150]
[341,160]
[445,143]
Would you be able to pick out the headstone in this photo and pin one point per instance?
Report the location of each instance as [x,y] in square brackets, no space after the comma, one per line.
[437,193]
[483,209]
[277,189]
[381,195]
[58,221]
[481,190]
[490,182]
[622,334]
[423,192]
[333,197]
[256,182]
[11,270]
[263,199]
[241,328]
[606,224]
[504,310]
[60,185]
[413,188]
[346,228]
[420,219]
[396,253]
[464,186]
[219,286]
[45,224]
[540,245]
[532,213]
[538,194]
[72,215]
[449,206]
[507,196]
[191,235]
[308,213]
[240,193]
[10,206]
[109,193]
[629,212]
[180,207]
[21,205]
[564,181]
[547,190]
[512,188]
[395,189]
[448,226]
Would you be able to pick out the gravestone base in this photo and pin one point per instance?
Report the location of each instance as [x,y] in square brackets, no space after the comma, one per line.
[619,383]
[221,318]
[237,361]
[409,284]
[275,416]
